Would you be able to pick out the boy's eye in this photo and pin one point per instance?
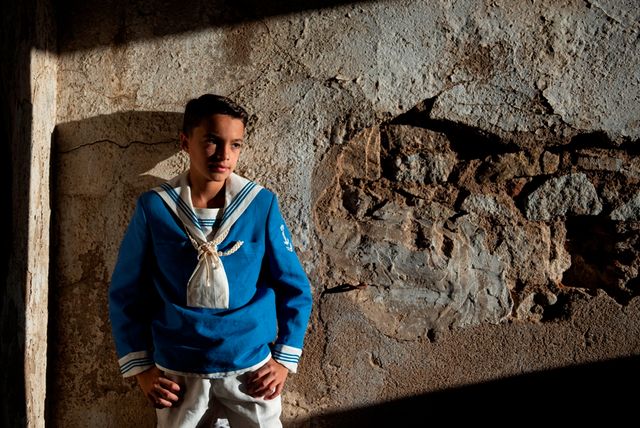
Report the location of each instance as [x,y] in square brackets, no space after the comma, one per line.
[237,145]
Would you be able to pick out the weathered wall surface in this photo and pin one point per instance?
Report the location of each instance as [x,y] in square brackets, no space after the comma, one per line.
[462,180]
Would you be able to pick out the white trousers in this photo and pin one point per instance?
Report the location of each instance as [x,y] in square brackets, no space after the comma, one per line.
[219,403]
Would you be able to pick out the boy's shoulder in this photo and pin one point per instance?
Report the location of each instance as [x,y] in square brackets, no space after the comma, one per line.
[149,196]
[150,200]
[266,193]
[263,200]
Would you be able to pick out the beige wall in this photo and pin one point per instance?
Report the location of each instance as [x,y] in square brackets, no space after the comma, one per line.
[459,177]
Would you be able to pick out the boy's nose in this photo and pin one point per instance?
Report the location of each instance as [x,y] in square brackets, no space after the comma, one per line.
[222,151]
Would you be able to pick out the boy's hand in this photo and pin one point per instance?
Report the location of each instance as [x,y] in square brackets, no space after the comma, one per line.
[267,381]
[159,390]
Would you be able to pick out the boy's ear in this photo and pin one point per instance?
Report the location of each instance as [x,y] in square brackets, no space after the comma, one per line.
[184,142]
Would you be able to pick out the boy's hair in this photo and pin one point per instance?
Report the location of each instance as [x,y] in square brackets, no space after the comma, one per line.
[204,106]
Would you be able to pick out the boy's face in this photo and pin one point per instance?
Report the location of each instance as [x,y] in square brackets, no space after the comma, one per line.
[214,147]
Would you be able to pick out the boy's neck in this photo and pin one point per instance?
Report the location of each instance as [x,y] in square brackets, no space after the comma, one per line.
[207,194]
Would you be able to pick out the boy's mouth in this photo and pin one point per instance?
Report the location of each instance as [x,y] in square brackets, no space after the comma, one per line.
[217,167]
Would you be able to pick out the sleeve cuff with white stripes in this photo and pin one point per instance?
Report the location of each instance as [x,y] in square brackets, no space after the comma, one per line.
[288,356]
[134,363]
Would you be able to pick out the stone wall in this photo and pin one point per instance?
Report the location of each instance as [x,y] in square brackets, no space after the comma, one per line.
[461,180]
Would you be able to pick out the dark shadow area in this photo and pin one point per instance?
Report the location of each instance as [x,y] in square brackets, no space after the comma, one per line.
[596,139]
[598,393]
[15,135]
[594,245]
[98,168]
[85,24]
[122,129]
[468,142]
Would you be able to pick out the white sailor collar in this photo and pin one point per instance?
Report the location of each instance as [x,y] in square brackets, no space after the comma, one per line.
[208,286]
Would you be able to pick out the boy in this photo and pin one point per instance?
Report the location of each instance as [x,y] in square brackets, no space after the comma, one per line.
[208,301]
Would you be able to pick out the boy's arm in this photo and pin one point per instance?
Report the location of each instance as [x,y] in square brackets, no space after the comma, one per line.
[293,291]
[130,296]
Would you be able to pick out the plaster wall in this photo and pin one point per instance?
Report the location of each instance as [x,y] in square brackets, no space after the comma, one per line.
[438,162]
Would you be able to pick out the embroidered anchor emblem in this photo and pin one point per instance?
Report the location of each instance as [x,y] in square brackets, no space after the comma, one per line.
[287,244]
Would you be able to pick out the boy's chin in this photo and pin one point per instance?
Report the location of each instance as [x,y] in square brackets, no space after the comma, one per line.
[219,176]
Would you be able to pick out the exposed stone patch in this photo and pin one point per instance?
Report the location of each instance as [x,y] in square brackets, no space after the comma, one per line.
[417,155]
[629,210]
[510,165]
[532,306]
[559,196]
[429,238]
[549,162]
[598,162]
[424,268]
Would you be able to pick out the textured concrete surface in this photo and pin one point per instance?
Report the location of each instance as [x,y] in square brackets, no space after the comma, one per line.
[460,178]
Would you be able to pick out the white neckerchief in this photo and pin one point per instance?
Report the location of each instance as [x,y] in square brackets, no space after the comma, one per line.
[208,286]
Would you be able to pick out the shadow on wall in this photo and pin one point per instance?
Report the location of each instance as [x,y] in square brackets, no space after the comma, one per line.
[85,24]
[16,116]
[99,167]
[592,393]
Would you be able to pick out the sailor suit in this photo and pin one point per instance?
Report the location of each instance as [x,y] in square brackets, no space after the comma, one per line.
[208,306]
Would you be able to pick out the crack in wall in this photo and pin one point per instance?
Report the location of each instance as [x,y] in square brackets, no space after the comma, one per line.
[591,4]
[119,145]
